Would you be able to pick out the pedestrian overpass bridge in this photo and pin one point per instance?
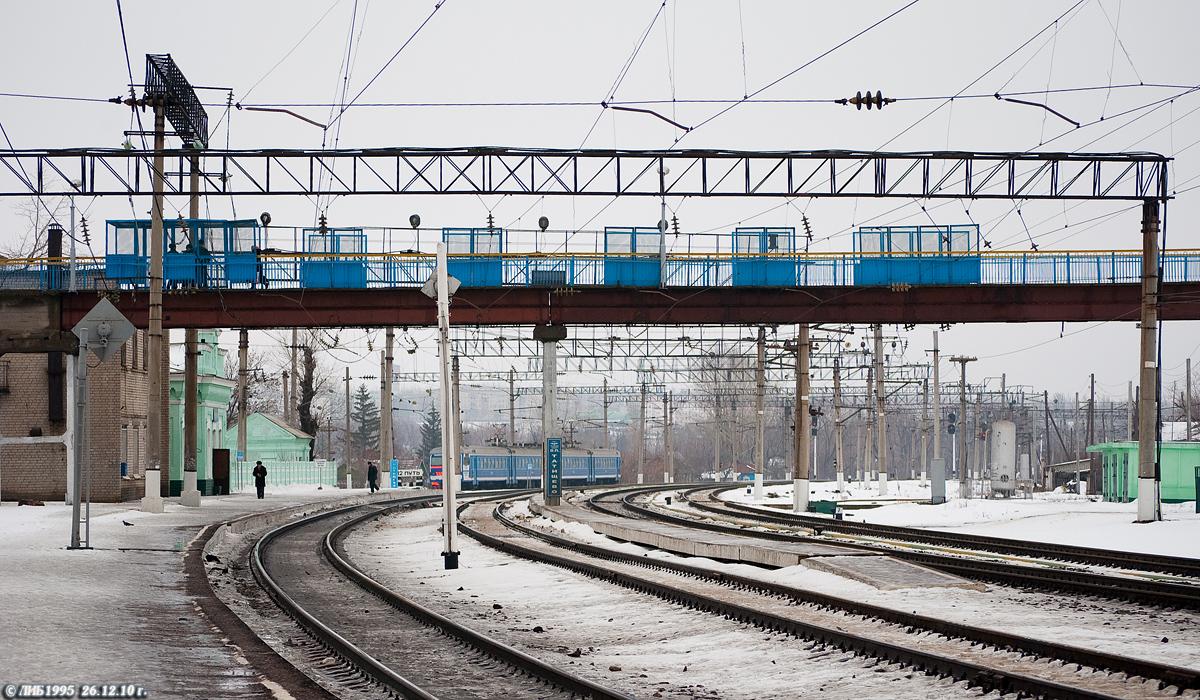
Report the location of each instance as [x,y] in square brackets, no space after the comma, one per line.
[220,273]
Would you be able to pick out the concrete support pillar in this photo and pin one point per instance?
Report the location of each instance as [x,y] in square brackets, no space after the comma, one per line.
[803,423]
[386,419]
[512,409]
[641,472]
[880,412]
[455,389]
[760,417]
[549,337]
[604,399]
[347,452]
[839,452]
[1149,506]
[668,447]
[937,468]
[189,495]
[243,370]
[155,347]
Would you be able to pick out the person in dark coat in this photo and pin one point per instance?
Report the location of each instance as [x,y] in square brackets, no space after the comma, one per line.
[373,476]
[260,477]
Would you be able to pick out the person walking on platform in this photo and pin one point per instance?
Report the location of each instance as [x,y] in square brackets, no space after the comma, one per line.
[260,477]
[373,476]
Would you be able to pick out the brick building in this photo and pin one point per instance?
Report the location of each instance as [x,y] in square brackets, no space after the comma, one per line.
[116,430]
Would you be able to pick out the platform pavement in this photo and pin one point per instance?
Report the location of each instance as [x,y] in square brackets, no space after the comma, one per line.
[120,613]
[881,572]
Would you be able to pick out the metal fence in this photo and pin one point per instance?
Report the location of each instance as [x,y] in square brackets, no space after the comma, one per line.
[381,270]
[316,473]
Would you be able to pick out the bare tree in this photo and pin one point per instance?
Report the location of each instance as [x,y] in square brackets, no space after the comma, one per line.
[261,393]
[29,238]
[313,386]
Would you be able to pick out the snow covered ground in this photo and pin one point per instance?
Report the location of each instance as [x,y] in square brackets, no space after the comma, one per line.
[620,638]
[118,613]
[1061,518]
[1118,628]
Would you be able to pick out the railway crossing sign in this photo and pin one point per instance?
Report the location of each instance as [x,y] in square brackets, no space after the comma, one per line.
[553,487]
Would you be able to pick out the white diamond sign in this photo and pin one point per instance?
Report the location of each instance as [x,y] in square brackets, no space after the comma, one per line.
[107,329]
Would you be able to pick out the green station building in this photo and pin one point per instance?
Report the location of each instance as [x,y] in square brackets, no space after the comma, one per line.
[213,392]
[1177,466]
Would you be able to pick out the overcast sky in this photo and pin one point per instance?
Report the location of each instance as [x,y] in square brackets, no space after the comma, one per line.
[477,51]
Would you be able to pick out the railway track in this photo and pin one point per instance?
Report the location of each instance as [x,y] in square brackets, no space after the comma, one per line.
[400,649]
[989,659]
[1167,594]
[1156,563]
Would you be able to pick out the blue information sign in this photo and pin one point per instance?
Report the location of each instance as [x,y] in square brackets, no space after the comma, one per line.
[553,486]
[394,470]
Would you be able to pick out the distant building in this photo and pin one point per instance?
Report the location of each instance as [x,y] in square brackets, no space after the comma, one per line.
[213,392]
[282,449]
[1177,463]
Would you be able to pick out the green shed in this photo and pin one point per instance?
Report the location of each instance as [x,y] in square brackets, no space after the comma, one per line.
[1177,466]
[282,449]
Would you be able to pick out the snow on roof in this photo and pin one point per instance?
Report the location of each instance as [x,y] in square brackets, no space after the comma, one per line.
[279,422]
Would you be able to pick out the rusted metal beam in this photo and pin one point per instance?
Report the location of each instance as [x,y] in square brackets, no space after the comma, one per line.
[731,306]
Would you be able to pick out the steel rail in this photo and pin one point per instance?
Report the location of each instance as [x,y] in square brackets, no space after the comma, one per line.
[929,663]
[1186,566]
[335,553]
[1168,674]
[1157,593]
[370,666]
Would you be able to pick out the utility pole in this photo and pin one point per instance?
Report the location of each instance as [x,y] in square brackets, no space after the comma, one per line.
[760,428]
[839,454]
[669,456]
[512,408]
[1187,402]
[1129,412]
[604,398]
[717,440]
[155,348]
[1094,477]
[880,411]
[802,420]
[458,424]
[386,440]
[283,380]
[441,293]
[641,473]
[189,494]
[868,420]
[1149,503]
[924,431]
[243,361]
[937,478]
[964,488]
[549,335]
[291,412]
[346,435]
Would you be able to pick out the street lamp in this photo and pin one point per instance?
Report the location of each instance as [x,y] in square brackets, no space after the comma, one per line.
[440,287]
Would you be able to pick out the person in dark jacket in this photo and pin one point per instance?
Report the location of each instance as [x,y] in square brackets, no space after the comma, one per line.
[260,477]
[373,476]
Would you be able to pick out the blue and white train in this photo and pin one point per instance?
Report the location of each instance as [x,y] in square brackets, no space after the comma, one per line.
[490,467]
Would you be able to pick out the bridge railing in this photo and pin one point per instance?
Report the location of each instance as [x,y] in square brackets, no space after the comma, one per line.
[278,270]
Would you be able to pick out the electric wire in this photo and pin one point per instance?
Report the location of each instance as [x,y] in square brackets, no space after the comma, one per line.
[437,6]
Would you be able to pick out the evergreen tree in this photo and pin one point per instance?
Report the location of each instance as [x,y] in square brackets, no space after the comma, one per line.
[364,416]
[431,436]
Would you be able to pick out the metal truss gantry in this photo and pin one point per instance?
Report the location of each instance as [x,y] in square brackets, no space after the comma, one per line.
[545,172]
